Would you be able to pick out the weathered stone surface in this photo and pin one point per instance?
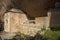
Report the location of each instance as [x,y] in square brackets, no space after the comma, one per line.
[14,23]
[18,22]
[43,21]
[6,35]
[13,20]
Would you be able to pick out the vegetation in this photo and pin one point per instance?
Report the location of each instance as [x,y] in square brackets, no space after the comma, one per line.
[51,35]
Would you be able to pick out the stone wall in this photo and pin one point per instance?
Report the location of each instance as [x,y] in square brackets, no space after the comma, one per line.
[55,18]
[16,22]
[43,21]
[13,20]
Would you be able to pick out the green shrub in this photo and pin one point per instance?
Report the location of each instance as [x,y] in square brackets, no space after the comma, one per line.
[51,35]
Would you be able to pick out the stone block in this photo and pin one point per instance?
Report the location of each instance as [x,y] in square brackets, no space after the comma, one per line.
[12,21]
[43,21]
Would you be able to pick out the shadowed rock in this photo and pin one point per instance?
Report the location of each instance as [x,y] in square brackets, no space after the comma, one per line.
[33,8]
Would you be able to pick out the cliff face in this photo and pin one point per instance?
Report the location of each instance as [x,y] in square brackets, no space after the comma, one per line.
[4,5]
[34,8]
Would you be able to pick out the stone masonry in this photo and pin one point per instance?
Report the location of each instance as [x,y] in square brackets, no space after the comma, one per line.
[15,21]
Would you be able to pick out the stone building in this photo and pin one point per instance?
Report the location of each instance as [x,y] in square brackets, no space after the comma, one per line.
[17,21]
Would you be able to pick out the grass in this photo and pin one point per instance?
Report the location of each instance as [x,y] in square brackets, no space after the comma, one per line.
[51,35]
